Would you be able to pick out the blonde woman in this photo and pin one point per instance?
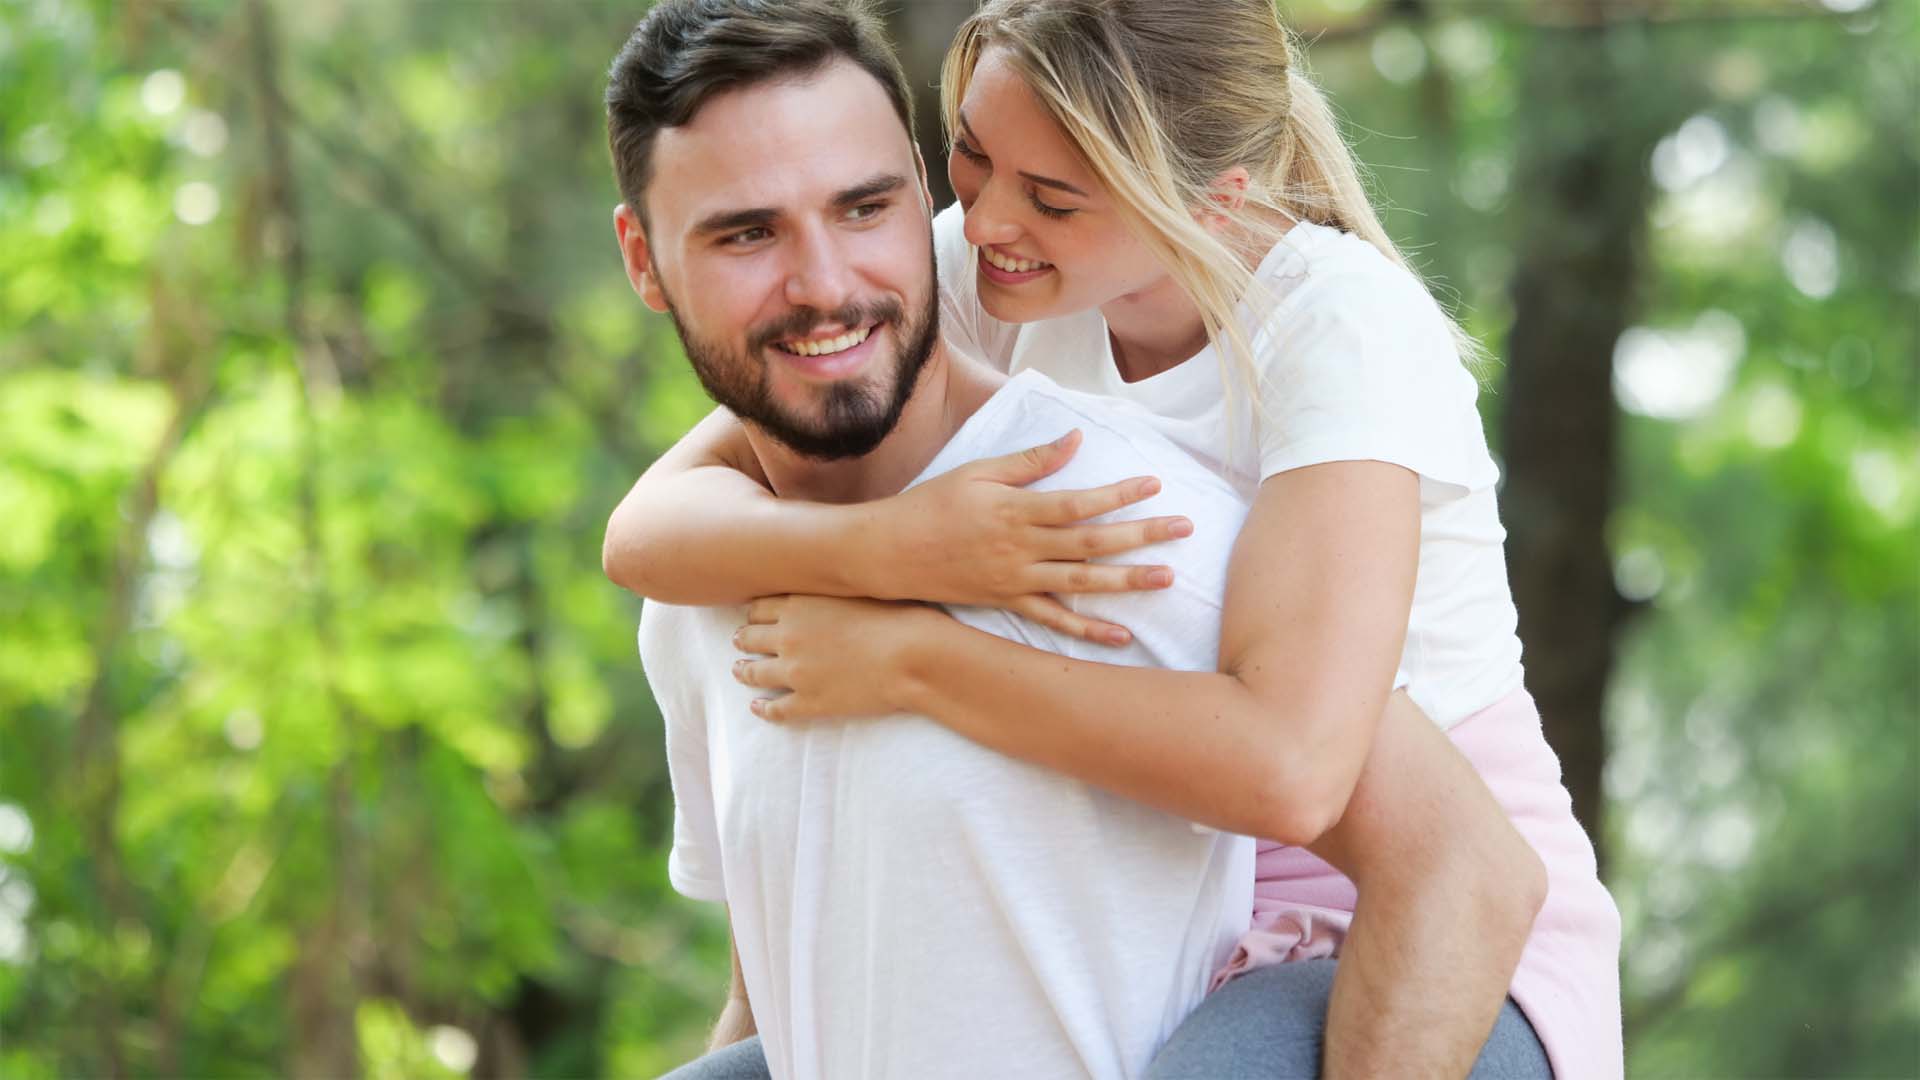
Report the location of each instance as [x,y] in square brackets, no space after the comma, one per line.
[1156,205]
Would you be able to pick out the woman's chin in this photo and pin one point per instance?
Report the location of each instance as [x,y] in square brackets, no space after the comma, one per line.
[1017,309]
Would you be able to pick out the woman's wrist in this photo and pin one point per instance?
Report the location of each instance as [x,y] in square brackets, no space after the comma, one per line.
[912,655]
[869,552]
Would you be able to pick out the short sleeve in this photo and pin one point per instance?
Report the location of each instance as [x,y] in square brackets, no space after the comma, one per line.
[693,866]
[964,324]
[1358,363]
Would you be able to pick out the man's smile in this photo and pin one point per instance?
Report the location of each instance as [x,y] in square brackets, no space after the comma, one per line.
[822,345]
[829,357]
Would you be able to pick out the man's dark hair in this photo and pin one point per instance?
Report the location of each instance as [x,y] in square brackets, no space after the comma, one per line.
[686,51]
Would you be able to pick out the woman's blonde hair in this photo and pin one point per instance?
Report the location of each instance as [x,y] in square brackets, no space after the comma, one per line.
[1162,97]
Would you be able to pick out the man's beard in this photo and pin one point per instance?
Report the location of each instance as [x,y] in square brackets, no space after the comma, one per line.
[855,414]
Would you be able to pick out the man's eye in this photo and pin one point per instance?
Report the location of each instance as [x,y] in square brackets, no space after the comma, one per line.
[747,236]
[865,211]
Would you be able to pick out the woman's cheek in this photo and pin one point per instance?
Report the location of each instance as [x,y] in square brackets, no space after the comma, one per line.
[961,177]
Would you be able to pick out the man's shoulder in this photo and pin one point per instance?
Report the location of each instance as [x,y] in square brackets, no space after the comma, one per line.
[1118,436]
[677,641]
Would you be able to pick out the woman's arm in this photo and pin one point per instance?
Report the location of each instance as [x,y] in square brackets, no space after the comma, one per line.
[736,1016]
[1271,745]
[700,526]
[1281,743]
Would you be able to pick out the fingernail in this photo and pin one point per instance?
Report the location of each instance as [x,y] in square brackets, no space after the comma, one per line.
[1063,440]
[1159,579]
[1149,486]
[1118,636]
[759,706]
[1180,527]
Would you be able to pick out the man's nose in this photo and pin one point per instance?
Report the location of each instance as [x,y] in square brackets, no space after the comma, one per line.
[819,276]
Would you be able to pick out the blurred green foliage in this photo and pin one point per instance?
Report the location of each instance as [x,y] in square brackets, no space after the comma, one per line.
[323,745]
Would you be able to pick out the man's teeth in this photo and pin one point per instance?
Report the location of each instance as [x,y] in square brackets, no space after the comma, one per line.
[827,346]
[1011,265]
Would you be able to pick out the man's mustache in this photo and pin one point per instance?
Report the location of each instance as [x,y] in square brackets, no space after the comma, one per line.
[803,321]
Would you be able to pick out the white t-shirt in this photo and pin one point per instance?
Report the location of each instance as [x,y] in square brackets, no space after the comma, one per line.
[1356,364]
[909,904]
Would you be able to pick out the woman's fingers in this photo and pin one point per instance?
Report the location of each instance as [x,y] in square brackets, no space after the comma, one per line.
[1086,577]
[1055,616]
[762,674]
[754,638]
[1114,538]
[1025,466]
[765,610]
[782,709]
[1067,507]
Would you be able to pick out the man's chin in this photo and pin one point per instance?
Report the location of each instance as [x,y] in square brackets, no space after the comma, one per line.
[829,422]
[839,444]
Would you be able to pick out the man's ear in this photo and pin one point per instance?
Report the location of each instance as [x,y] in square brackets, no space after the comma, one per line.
[926,193]
[638,259]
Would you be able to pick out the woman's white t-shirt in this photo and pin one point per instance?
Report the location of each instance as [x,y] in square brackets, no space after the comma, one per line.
[1356,363]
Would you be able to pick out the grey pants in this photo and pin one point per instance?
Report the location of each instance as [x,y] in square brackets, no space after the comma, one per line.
[1266,1023]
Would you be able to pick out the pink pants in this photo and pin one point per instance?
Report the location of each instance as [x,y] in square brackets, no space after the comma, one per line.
[1568,982]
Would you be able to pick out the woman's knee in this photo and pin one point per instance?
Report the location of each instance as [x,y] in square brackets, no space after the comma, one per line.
[741,1061]
[1266,1023]
[1513,1050]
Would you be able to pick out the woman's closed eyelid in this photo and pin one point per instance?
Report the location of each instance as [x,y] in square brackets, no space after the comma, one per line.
[1047,209]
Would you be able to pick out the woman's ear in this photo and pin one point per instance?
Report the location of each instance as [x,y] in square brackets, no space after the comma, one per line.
[1226,197]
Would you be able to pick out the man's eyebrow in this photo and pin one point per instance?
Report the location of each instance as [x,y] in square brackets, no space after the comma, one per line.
[1043,181]
[735,220]
[727,221]
[881,184]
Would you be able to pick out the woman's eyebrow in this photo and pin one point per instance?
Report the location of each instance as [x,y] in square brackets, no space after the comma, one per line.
[1043,181]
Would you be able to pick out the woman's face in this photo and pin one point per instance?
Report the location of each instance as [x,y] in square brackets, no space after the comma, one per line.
[1050,237]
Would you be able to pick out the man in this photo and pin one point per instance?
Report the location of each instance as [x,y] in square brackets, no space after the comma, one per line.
[903,902]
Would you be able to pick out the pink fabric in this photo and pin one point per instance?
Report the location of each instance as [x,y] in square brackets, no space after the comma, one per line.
[1568,982]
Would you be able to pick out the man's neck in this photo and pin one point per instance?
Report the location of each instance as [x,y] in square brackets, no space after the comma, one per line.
[950,390]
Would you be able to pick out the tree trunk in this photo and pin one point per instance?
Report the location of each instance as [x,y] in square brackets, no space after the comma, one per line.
[1582,192]
[922,31]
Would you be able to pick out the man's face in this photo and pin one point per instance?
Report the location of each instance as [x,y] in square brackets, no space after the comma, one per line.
[789,238]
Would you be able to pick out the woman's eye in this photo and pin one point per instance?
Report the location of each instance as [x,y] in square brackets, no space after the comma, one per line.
[961,147]
[1049,211]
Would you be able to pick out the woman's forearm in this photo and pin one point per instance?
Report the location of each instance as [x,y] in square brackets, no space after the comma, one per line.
[712,535]
[1200,745]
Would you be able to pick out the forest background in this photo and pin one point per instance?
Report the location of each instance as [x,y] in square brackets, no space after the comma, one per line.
[324,749]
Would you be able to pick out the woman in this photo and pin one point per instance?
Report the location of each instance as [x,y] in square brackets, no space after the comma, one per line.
[1164,211]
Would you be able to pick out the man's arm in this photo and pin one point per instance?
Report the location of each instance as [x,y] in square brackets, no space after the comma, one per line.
[736,1016]
[1448,894]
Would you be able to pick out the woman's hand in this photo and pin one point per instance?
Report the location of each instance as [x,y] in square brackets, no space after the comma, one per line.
[973,536]
[834,657]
